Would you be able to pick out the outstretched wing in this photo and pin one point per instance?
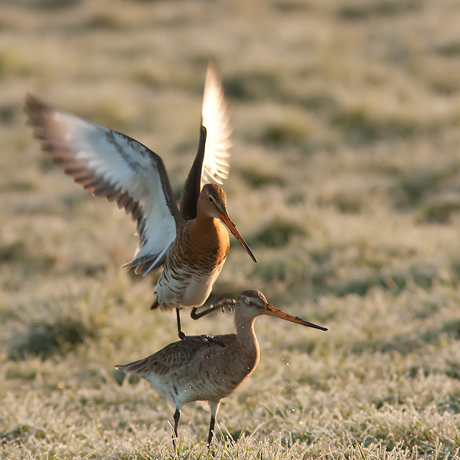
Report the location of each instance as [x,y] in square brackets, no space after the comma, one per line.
[112,165]
[216,121]
[211,161]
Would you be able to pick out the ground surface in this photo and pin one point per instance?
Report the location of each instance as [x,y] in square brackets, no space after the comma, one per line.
[345,181]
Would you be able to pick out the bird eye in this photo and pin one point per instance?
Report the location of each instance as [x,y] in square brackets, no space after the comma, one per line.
[210,199]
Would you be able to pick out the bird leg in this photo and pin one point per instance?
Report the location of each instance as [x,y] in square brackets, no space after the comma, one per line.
[214,408]
[223,304]
[194,315]
[176,424]
[211,430]
[179,330]
[206,338]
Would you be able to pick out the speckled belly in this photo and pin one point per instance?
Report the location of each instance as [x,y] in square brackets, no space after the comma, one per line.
[185,286]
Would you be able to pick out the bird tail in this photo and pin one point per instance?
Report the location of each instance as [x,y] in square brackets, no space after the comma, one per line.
[132,368]
[121,367]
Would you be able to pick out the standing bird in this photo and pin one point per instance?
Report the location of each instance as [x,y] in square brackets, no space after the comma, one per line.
[192,370]
[191,244]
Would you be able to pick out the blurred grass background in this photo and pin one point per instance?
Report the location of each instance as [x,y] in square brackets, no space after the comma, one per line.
[344,181]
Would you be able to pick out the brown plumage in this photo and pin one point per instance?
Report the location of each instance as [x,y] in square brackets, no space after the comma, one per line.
[197,370]
[197,255]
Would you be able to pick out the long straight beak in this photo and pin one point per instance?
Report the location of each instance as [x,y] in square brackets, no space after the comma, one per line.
[231,226]
[272,311]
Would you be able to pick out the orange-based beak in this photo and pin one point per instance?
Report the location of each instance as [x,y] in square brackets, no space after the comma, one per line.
[231,226]
[272,311]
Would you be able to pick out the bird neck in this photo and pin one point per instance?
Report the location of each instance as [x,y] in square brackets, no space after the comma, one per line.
[203,219]
[210,230]
[246,336]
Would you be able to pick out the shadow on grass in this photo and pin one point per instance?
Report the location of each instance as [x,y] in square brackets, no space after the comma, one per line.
[43,339]
[395,281]
[410,343]
[286,132]
[18,252]
[439,210]
[383,8]
[277,233]
[359,127]
[256,85]
[412,188]
[451,49]
[21,432]
[257,179]
[49,4]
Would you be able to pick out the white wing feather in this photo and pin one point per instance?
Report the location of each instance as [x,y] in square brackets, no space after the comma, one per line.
[113,165]
[216,121]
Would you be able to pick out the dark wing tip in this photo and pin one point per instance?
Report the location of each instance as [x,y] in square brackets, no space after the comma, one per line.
[32,105]
[34,109]
[30,101]
[203,133]
[155,304]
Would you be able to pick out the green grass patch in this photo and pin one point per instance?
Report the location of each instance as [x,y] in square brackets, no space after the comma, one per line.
[451,49]
[252,85]
[394,281]
[43,339]
[278,233]
[257,179]
[286,132]
[358,126]
[383,8]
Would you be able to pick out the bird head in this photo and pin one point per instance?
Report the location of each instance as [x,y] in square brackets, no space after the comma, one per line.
[213,203]
[253,303]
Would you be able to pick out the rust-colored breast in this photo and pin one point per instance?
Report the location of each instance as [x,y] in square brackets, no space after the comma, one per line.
[202,247]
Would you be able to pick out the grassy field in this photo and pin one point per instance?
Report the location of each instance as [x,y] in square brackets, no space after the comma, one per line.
[345,181]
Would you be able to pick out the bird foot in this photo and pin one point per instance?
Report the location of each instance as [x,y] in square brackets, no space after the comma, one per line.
[208,339]
[224,305]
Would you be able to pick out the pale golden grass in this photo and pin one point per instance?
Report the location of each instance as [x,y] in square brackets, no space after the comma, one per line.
[344,181]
